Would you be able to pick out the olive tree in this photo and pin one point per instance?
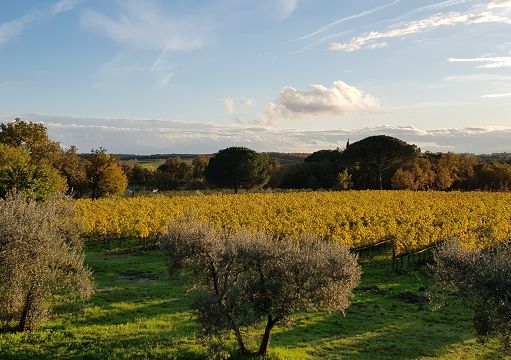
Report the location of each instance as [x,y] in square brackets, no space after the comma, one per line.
[245,279]
[483,279]
[41,255]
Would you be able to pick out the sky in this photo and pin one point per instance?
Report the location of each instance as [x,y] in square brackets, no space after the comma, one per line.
[180,76]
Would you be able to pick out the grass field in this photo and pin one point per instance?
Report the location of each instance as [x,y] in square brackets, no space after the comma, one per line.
[139,312]
[151,164]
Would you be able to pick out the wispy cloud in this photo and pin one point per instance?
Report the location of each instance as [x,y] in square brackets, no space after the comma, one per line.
[285,8]
[347,18]
[486,62]
[12,29]
[439,6]
[162,70]
[247,102]
[499,3]
[143,25]
[419,26]
[66,5]
[496,96]
[478,78]
[318,100]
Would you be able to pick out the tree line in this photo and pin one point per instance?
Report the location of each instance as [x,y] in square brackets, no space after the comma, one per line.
[377,162]
[31,162]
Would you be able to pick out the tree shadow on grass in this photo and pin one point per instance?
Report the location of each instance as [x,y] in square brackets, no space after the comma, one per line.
[390,318]
[126,318]
[132,322]
[142,345]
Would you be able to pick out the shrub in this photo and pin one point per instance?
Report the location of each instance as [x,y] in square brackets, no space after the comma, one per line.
[41,255]
[483,279]
[245,278]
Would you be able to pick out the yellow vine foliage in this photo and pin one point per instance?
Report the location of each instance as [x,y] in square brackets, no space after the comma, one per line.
[356,218]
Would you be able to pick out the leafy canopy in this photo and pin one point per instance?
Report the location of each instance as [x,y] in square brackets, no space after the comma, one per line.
[239,167]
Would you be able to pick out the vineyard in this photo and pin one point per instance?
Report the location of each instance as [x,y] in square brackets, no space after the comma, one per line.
[414,220]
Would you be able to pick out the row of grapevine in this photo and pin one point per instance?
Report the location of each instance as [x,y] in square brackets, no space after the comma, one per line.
[413,219]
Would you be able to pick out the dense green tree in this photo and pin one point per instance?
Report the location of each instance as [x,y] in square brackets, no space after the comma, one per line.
[320,170]
[177,168]
[139,176]
[324,155]
[375,159]
[238,167]
[311,175]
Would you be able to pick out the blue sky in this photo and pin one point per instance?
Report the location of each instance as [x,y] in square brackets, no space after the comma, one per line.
[148,76]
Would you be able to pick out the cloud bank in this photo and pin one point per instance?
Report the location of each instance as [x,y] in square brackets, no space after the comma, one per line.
[163,136]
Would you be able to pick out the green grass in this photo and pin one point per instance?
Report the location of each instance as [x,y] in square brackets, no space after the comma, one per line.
[138,312]
[150,164]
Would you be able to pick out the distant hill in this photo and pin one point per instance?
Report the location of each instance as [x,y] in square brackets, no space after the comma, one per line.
[501,157]
[283,158]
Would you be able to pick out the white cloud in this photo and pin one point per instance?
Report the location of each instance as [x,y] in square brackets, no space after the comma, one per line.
[486,62]
[418,26]
[285,8]
[348,18]
[441,5]
[229,105]
[496,96]
[166,136]
[478,78]
[12,29]
[318,100]
[65,5]
[244,103]
[378,45]
[247,102]
[499,3]
[142,25]
[162,70]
